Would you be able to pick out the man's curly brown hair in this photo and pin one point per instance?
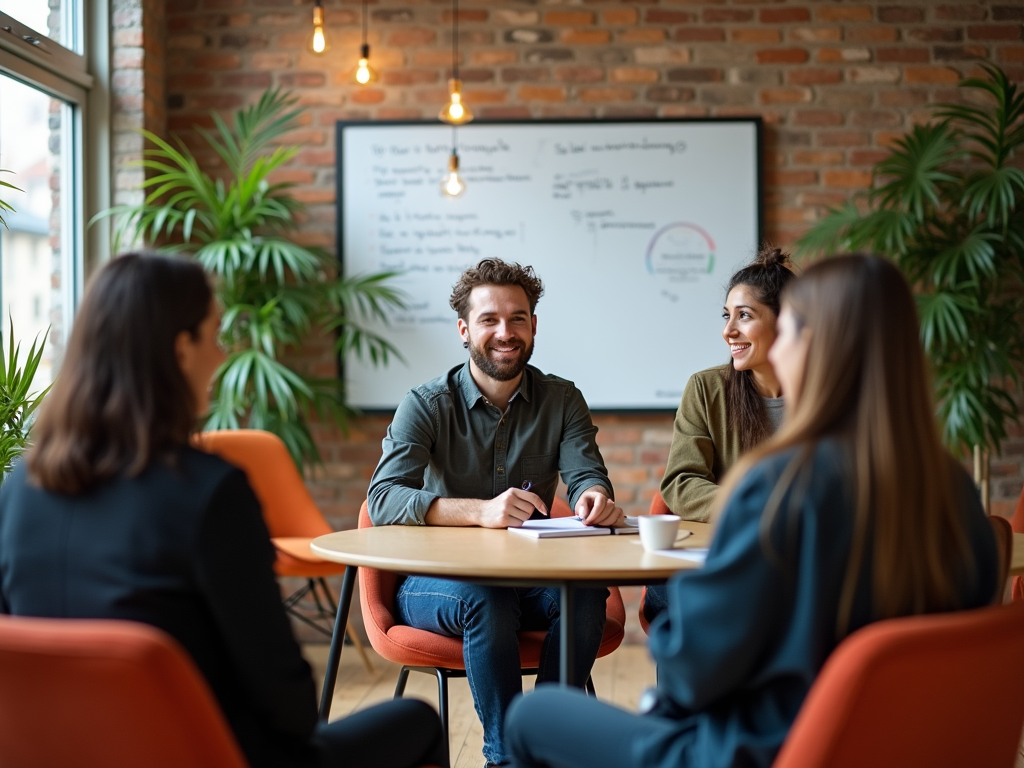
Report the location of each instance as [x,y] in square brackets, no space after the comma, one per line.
[495,272]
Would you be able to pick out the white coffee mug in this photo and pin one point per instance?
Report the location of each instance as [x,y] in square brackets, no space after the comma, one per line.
[658,531]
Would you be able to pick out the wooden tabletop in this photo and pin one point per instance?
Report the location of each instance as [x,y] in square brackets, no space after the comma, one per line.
[487,553]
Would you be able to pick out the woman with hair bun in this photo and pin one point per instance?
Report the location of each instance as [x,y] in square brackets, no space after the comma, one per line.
[851,514]
[729,409]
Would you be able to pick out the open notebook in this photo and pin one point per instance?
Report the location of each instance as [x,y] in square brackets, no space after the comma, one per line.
[559,527]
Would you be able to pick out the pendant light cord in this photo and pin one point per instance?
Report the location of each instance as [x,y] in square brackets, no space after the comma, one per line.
[455,39]
[364,23]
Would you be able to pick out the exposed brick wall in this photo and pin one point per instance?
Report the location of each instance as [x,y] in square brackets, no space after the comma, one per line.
[835,82]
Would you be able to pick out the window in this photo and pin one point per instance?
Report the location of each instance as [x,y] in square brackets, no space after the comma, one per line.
[44,90]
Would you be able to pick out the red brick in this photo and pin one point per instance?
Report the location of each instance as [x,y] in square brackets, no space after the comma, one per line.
[842,138]
[930,75]
[806,76]
[755,35]
[1011,54]
[821,199]
[848,179]
[694,75]
[586,36]
[409,76]
[606,94]
[368,95]
[963,12]
[875,118]
[410,38]
[871,35]
[817,117]
[807,157]
[836,55]
[467,16]
[994,32]
[641,36]
[867,156]
[540,93]
[790,178]
[302,79]
[699,35]
[214,100]
[439,58]
[904,97]
[900,15]
[784,95]
[217,61]
[261,80]
[782,56]
[784,15]
[487,96]
[189,80]
[934,34]
[960,52]
[903,54]
[579,74]
[661,16]
[720,15]
[844,13]
[633,75]
[621,16]
[266,60]
[790,215]
[568,18]
[491,58]
[814,35]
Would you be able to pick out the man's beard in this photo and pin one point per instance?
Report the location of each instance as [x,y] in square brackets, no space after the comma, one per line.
[501,370]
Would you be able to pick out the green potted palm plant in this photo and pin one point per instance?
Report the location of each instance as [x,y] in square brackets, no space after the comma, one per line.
[275,292]
[947,205]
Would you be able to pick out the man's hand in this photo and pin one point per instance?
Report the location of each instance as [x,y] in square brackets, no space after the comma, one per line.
[510,509]
[595,508]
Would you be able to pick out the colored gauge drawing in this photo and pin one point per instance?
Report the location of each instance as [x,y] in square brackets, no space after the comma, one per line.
[681,252]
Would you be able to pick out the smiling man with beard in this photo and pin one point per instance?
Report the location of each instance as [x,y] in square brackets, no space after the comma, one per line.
[460,451]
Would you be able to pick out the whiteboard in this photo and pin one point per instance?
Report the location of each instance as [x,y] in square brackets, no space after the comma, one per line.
[634,227]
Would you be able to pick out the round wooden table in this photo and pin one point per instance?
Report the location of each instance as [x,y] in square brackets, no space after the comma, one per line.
[497,557]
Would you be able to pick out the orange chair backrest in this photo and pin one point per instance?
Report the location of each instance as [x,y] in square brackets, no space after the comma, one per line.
[658,505]
[288,509]
[376,590]
[938,690]
[105,694]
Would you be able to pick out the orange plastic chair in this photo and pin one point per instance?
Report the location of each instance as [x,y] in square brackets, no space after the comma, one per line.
[658,507]
[938,690]
[105,694]
[292,518]
[418,650]
[1017,523]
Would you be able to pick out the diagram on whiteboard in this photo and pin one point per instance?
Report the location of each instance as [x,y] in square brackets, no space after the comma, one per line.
[632,226]
[681,253]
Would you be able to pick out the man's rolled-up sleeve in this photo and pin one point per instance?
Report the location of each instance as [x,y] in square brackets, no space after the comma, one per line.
[579,460]
[396,495]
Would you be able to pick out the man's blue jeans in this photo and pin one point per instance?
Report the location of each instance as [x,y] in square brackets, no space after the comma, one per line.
[487,619]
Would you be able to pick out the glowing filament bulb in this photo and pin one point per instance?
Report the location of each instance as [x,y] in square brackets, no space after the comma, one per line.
[364,72]
[318,43]
[455,112]
[452,184]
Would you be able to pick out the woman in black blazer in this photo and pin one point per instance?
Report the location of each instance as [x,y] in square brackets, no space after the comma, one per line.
[114,515]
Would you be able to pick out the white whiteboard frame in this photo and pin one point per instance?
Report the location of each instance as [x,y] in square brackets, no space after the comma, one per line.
[465,134]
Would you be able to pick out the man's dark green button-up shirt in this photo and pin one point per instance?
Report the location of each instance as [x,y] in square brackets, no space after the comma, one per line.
[447,441]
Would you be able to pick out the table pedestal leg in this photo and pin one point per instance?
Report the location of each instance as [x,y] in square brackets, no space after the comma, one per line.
[337,641]
[566,656]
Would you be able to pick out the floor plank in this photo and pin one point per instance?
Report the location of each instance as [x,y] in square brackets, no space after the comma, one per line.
[619,678]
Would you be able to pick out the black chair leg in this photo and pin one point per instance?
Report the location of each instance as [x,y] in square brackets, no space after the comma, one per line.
[403,678]
[442,708]
[590,687]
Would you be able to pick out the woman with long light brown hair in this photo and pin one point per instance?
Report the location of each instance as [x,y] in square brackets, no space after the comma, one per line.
[852,513]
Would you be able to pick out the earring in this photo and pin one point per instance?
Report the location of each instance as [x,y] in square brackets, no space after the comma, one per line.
[465,345]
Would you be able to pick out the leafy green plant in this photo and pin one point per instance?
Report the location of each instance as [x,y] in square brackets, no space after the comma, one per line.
[240,226]
[17,404]
[4,206]
[947,205]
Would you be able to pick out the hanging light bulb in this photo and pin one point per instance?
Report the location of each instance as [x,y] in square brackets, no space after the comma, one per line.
[455,112]
[452,184]
[364,73]
[318,42]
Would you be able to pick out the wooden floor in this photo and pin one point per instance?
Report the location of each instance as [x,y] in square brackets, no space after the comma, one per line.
[619,678]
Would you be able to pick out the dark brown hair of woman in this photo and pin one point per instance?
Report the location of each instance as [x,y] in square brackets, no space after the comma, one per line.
[766,276]
[495,272]
[120,400]
[865,383]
